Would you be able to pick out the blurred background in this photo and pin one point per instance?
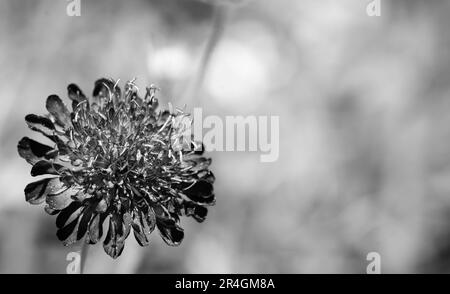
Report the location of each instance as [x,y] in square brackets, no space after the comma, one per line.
[364,109]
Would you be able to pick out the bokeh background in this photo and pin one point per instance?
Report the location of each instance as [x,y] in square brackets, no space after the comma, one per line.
[364,112]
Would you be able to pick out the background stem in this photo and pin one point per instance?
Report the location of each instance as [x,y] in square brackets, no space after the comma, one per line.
[83,255]
[218,26]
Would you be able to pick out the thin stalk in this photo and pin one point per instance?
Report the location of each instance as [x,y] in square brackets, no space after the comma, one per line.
[83,256]
[218,27]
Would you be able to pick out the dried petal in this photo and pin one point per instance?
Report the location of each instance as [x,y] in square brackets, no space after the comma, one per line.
[85,220]
[41,124]
[198,212]
[95,230]
[59,111]
[35,192]
[114,241]
[105,89]
[32,151]
[201,192]
[143,225]
[169,230]
[70,212]
[76,95]
[62,195]
[44,167]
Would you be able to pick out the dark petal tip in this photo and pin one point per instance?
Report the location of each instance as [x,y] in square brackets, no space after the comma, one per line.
[58,109]
[33,119]
[201,192]
[170,232]
[32,151]
[200,213]
[143,225]
[44,167]
[71,211]
[74,92]
[35,192]
[114,242]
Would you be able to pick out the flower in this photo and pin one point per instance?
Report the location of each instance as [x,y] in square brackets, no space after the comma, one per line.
[117,159]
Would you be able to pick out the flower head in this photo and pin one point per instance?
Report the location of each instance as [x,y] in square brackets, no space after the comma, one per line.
[116,159]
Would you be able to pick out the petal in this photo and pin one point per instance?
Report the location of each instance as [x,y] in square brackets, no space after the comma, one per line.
[201,192]
[45,167]
[127,220]
[207,175]
[41,124]
[50,210]
[198,212]
[105,89]
[143,225]
[46,127]
[32,151]
[69,213]
[74,92]
[84,221]
[59,111]
[62,195]
[68,221]
[102,206]
[64,161]
[95,230]
[67,233]
[76,95]
[35,193]
[114,243]
[169,230]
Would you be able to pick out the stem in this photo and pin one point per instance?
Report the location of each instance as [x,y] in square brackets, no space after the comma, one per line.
[218,27]
[83,255]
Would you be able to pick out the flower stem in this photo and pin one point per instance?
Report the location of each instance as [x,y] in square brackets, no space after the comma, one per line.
[83,255]
[218,26]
